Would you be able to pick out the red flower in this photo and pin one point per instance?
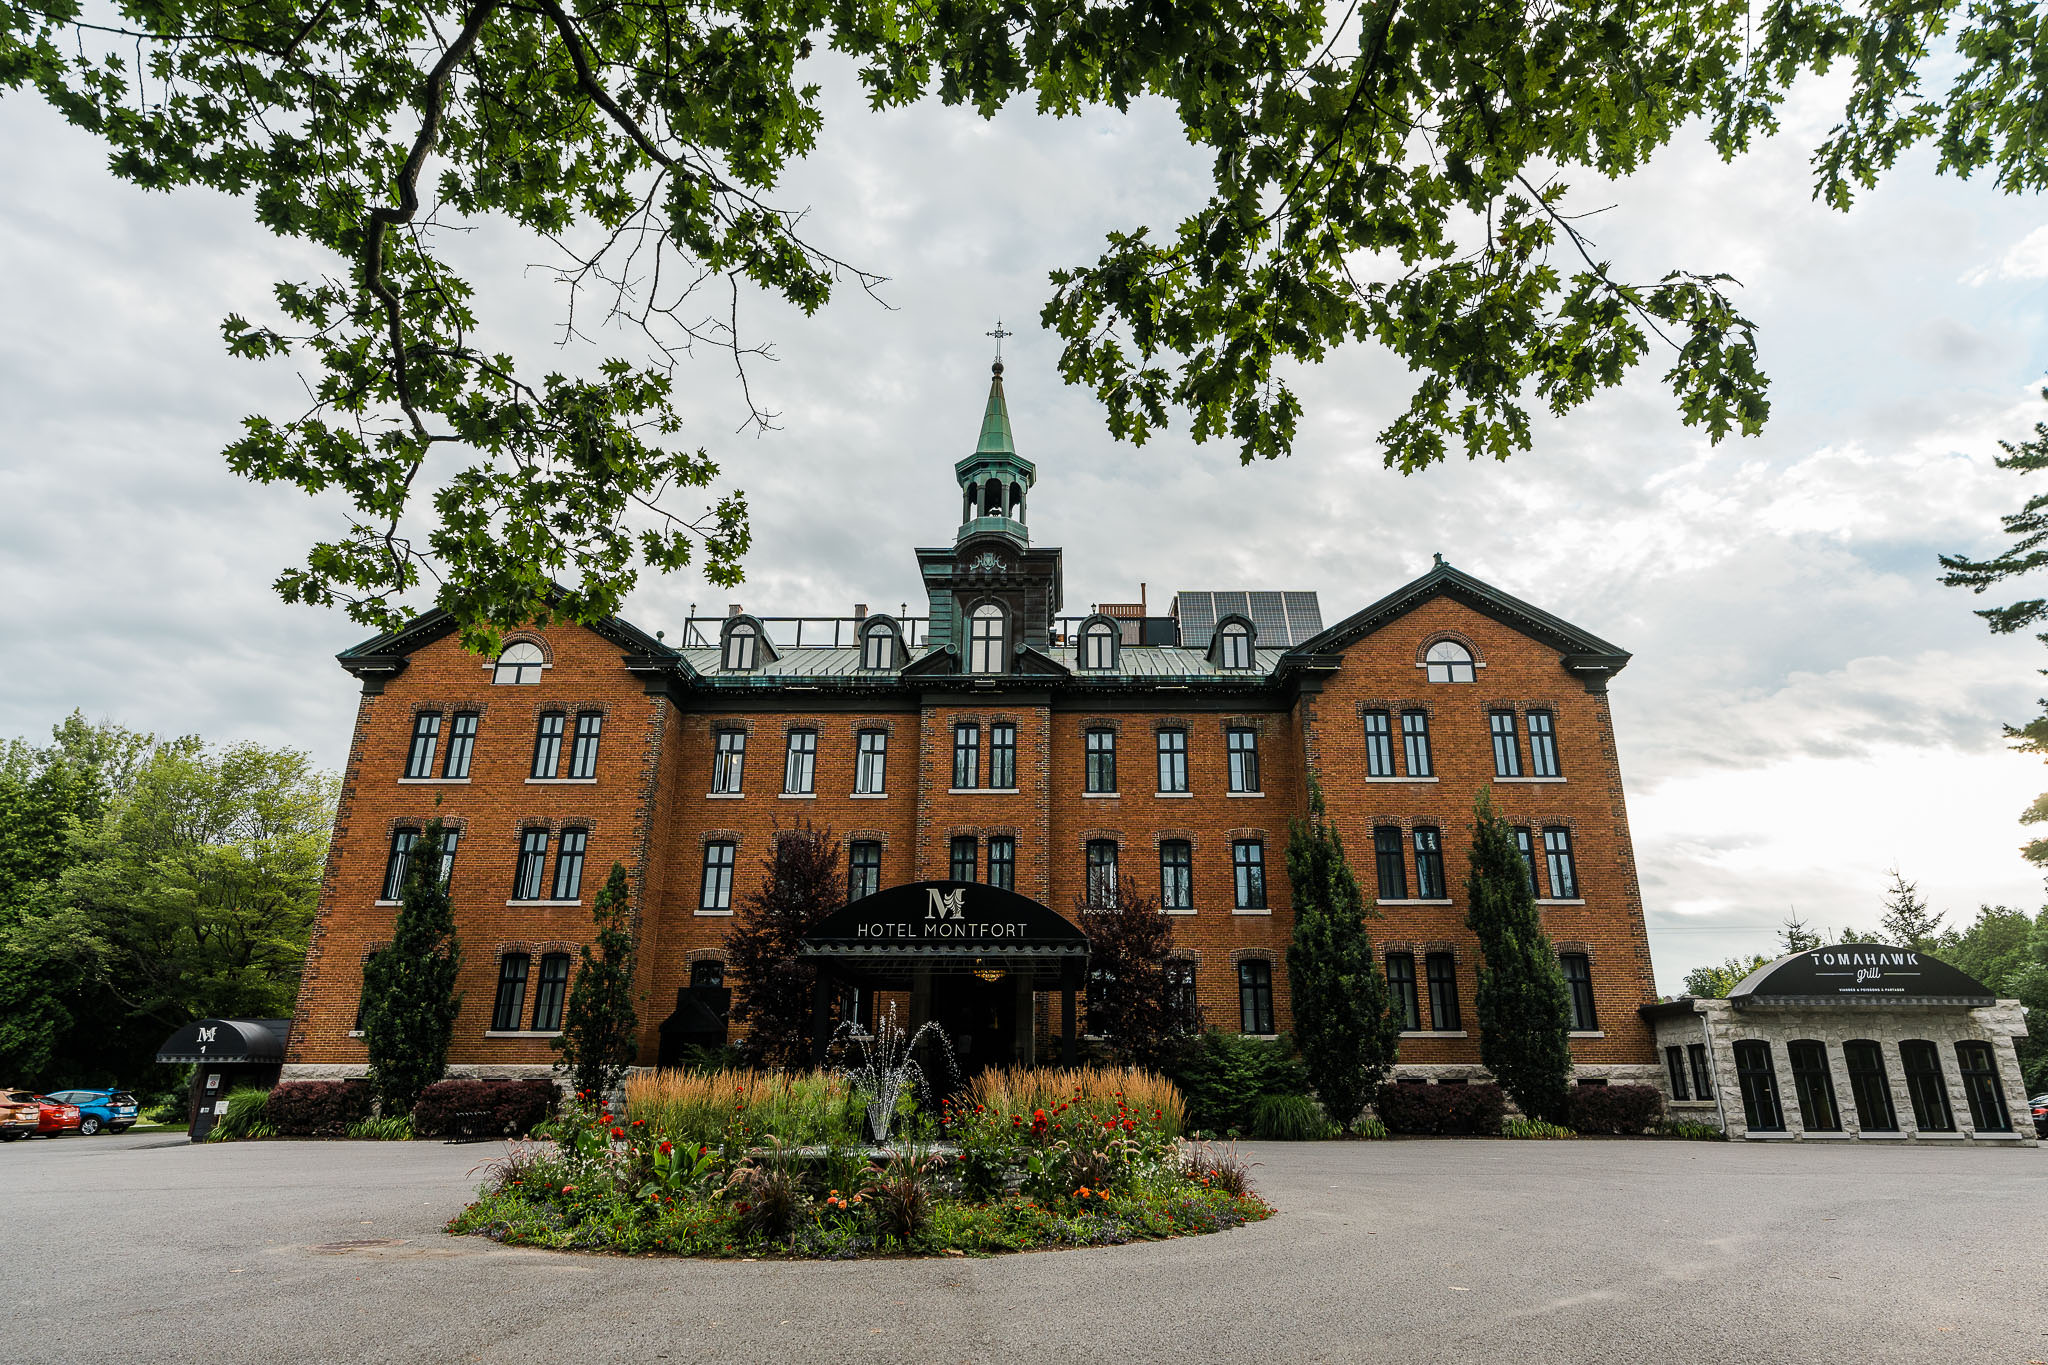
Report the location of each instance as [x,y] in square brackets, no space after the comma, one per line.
[667,1147]
[618,1132]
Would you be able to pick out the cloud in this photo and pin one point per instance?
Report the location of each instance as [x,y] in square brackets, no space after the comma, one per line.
[2026,259]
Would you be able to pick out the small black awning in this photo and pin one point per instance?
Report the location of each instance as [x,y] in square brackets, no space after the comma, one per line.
[948,926]
[253,1041]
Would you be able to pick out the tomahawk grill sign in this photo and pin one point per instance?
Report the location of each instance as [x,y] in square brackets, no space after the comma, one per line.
[1861,970]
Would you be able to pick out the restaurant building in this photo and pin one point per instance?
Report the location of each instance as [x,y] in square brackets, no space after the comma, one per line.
[983,762]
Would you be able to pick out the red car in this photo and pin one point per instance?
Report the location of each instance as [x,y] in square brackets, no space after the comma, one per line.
[55,1118]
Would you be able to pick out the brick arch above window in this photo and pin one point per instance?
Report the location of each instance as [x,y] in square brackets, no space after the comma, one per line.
[370,950]
[862,724]
[1186,836]
[713,724]
[516,950]
[1397,946]
[1245,834]
[1089,836]
[1395,706]
[696,955]
[868,836]
[1161,723]
[719,836]
[1259,722]
[1456,637]
[1452,950]
[524,637]
[557,946]
[1584,950]
[792,724]
[419,822]
[1003,831]
[1188,955]
[1110,723]
[1238,955]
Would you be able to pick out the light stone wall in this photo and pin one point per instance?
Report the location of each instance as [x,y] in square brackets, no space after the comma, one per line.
[1833,1025]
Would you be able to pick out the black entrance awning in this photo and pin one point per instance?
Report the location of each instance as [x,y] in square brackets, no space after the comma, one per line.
[255,1041]
[948,926]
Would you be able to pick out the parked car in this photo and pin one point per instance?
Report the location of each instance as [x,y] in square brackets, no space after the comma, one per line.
[2039,1104]
[113,1110]
[54,1118]
[20,1113]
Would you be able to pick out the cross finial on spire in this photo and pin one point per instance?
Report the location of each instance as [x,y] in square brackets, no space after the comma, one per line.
[999,334]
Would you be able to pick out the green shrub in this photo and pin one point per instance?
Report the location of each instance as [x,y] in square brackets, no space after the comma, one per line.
[396,1128]
[1290,1118]
[1519,1127]
[1616,1109]
[244,1117]
[1693,1130]
[1223,1076]
[1369,1127]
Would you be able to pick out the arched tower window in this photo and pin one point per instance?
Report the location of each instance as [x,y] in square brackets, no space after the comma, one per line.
[877,647]
[520,663]
[1448,662]
[740,643]
[985,639]
[1098,646]
[1237,646]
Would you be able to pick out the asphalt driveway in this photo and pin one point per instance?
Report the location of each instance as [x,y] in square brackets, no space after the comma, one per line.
[145,1248]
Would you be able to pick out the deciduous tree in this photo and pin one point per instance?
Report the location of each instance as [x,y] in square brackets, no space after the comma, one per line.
[800,885]
[597,1041]
[1523,1007]
[1131,1003]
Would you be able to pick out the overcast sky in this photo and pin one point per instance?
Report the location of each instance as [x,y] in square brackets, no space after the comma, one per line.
[1807,707]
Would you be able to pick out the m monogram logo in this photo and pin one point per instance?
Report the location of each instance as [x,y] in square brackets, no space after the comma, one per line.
[206,1034]
[945,904]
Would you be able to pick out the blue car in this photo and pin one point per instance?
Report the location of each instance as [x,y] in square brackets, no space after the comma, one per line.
[113,1110]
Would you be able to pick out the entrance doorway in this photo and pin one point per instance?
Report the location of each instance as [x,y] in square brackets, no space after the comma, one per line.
[979,1018]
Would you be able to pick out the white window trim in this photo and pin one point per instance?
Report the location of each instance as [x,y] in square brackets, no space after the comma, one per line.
[1573,900]
[995,791]
[1444,901]
[1587,1033]
[1244,793]
[723,914]
[1179,796]
[1184,910]
[561,781]
[578,901]
[1436,1033]
[1100,796]
[433,781]
[1475,661]
[724,796]
[796,796]
[355,1033]
[1403,779]
[387,902]
[522,1033]
[1527,780]
[867,796]
[1251,910]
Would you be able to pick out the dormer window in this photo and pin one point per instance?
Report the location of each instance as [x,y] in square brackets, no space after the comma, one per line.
[740,646]
[985,639]
[1098,646]
[1448,662]
[1237,646]
[520,663]
[877,648]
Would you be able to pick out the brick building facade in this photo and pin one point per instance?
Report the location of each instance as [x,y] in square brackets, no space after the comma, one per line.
[990,741]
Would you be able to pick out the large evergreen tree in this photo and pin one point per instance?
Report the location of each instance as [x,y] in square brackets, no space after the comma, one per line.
[1907,921]
[1523,1007]
[1343,1017]
[597,1038]
[409,999]
[800,885]
[1131,1003]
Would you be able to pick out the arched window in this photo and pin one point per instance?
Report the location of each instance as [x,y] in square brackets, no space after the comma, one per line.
[1449,662]
[1098,646]
[740,645]
[876,648]
[1759,1084]
[985,639]
[520,663]
[1986,1092]
[1237,646]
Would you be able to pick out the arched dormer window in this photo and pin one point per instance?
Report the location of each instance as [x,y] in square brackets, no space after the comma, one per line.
[742,646]
[985,639]
[1233,647]
[1448,662]
[1099,641]
[879,645]
[520,663]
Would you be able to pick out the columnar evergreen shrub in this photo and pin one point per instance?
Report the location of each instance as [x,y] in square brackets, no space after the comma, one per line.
[1343,1015]
[409,998]
[771,989]
[1622,1109]
[317,1108]
[597,1039]
[1473,1110]
[509,1108]
[1523,1008]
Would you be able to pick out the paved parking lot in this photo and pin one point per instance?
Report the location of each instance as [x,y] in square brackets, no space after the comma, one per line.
[145,1248]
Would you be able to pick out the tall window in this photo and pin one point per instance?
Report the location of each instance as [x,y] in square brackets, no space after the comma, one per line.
[520,663]
[510,1005]
[426,733]
[1401,986]
[1578,981]
[1173,760]
[1098,647]
[800,763]
[461,744]
[1813,1086]
[1981,1085]
[717,894]
[1507,749]
[527,881]
[1255,996]
[395,864]
[1702,1074]
[1525,843]
[1869,1087]
[1101,760]
[1674,1064]
[1176,875]
[547,998]
[741,645]
[449,839]
[1102,871]
[1448,662]
[707,974]
[966,756]
[1442,969]
[985,639]
[569,864]
[863,868]
[1542,745]
[547,743]
[1379,745]
[1002,756]
[1181,1001]
[1415,743]
[1388,862]
[1002,861]
[1429,866]
[1237,646]
[871,763]
[1925,1085]
[729,766]
[583,757]
[1244,759]
[1759,1082]
[1557,852]
[966,849]
[875,648]
[1248,861]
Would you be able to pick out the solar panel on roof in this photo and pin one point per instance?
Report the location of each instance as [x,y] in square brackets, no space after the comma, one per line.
[1304,616]
[1269,617]
[1197,613]
[1283,619]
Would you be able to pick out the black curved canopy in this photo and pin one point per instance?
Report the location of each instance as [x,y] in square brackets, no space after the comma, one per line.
[259,1041]
[946,926]
[1860,973]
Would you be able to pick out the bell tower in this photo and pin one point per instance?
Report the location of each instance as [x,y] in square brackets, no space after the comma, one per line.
[995,482]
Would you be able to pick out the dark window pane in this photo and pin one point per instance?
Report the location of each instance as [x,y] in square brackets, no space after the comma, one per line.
[1176,875]
[1542,745]
[1102,871]
[864,869]
[1978,1066]
[800,764]
[511,1003]
[1002,861]
[1813,1085]
[966,756]
[547,1000]
[1255,996]
[1578,978]
[395,865]
[583,758]
[1379,745]
[729,768]
[1429,866]
[1388,862]
[527,881]
[1557,851]
[547,744]
[1869,1087]
[966,851]
[1244,760]
[1102,760]
[1674,1063]
[1415,743]
[1526,842]
[1759,1083]
[1925,1085]
[1443,992]
[1507,750]
[1401,986]
[1248,858]
[569,864]
[1173,760]
[871,763]
[718,859]
[449,839]
[426,733]
[1002,756]
[1702,1077]
[461,744]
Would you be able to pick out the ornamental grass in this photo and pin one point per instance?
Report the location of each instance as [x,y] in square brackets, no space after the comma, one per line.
[1093,1090]
[802,1109]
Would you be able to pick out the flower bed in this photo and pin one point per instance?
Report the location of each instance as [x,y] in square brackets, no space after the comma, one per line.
[1093,1161]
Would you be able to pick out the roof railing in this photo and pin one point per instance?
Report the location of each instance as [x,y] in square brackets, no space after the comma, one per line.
[804,632]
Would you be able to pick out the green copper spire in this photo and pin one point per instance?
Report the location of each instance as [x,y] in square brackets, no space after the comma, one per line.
[995,421]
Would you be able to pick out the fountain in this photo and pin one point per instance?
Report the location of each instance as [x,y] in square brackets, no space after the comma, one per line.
[888,1064]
